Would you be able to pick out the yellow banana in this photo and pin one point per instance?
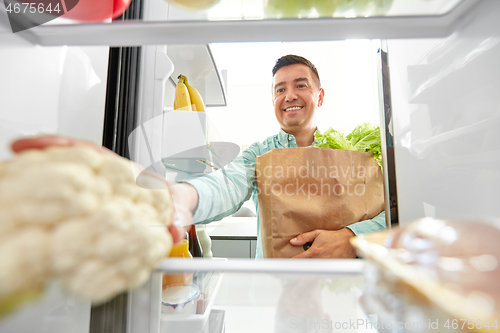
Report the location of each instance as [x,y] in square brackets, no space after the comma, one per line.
[182,100]
[196,100]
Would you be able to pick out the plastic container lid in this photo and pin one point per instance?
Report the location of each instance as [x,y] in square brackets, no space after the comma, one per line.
[180,295]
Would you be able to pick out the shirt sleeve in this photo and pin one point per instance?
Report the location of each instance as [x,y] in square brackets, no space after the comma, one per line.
[368,226]
[223,192]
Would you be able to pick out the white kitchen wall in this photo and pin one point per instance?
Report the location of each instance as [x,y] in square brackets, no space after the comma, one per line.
[347,73]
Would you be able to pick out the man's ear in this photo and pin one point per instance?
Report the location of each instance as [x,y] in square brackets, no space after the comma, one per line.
[321,96]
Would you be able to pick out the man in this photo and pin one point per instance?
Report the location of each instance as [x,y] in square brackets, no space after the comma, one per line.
[297,95]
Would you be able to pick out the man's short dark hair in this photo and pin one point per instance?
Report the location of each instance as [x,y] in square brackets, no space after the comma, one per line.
[292,59]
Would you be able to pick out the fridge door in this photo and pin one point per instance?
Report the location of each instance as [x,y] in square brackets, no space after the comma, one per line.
[47,91]
[446,112]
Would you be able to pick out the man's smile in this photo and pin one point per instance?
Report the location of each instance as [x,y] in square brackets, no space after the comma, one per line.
[292,108]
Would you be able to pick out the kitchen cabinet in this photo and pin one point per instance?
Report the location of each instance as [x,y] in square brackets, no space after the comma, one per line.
[233,237]
[233,248]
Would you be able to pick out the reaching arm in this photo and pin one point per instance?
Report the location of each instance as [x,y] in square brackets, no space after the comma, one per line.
[185,198]
[223,192]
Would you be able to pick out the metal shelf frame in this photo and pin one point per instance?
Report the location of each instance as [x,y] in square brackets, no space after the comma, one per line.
[137,33]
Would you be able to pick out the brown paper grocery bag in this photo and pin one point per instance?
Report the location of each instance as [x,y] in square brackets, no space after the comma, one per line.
[304,189]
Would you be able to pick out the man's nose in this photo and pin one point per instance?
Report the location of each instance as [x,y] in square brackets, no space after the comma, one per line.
[290,96]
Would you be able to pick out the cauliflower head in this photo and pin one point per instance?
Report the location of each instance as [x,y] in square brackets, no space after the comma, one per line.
[77,215]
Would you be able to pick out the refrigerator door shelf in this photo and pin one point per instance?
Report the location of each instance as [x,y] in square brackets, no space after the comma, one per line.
[137,33]
[198,64]
[209,284]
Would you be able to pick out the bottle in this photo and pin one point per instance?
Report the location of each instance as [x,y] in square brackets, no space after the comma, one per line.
[194,245]
[180,250]
[205,241]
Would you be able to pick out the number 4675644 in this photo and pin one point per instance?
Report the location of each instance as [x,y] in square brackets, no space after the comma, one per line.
[26,7]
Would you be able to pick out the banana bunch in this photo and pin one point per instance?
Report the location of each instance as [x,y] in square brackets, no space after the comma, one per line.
[187,97]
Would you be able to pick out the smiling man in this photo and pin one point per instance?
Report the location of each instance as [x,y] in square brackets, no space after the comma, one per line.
[297,95]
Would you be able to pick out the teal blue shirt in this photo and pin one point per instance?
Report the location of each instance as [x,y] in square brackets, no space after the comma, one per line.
[235,184]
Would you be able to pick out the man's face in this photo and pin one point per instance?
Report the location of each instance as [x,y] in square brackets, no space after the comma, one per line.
[296,97]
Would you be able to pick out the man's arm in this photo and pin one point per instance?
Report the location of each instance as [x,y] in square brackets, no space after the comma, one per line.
[223,192]
[368,226]
[336,243]
[185,198]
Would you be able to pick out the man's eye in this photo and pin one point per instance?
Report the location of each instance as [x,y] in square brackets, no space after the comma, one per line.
[301,86]
[279,90]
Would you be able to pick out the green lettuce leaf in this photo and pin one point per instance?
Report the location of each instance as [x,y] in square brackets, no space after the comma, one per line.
[365,137]
[332,139]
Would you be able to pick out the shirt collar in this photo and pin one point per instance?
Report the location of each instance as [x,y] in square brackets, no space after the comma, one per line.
[285,139]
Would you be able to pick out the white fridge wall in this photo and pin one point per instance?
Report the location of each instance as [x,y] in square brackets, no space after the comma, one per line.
[50,90]
[145,142]
[446,109]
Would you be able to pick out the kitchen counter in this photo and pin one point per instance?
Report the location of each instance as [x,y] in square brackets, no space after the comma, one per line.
[233,228]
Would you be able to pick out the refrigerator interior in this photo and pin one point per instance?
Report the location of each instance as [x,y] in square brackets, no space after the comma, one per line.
[446,112]
[50,90]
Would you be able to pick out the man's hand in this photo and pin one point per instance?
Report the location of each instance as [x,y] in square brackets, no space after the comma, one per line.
[326,244]
[45,141]
[185,198]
